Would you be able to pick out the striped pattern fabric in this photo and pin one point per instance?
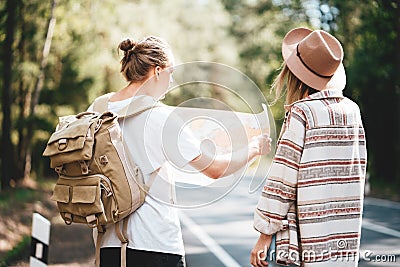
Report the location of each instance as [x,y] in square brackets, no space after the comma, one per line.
[313,197]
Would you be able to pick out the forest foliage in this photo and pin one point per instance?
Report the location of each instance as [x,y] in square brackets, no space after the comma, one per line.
[83,61]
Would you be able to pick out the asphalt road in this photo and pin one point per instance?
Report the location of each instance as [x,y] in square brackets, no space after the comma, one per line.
[221,234]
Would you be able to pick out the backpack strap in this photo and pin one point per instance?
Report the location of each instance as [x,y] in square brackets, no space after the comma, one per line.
[100,104]
[122,236]
[100,233]
[137,106]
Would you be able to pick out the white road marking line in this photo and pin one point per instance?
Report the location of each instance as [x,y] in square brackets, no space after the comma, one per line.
[380,229]
[208,241]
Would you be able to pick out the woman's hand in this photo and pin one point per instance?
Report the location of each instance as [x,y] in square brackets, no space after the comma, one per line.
[224,165]
[260,145]
[259,253]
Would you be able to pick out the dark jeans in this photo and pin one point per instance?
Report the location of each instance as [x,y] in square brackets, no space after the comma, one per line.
[111,257]
[272,255]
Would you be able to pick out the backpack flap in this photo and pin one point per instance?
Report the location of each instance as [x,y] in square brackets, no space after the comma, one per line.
[61,193]
[73,141]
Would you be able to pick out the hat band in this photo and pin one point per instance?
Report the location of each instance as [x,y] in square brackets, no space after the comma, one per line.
[302,61]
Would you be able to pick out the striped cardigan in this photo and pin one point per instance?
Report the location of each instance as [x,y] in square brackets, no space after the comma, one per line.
[313,197]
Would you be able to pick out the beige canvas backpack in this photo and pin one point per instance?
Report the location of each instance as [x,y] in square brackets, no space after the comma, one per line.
[98,183]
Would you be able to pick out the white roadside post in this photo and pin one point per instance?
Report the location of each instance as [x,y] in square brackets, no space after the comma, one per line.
[40,241]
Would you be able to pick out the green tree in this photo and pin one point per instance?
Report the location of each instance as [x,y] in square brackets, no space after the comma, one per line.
[8,59]
[370,34]
[37,90]
[83,61]
[26,119]
[259,27]
[373,72]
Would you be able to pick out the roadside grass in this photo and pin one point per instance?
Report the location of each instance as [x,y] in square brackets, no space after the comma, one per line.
[16,196]
[380,189]
[19,251]
[16,208]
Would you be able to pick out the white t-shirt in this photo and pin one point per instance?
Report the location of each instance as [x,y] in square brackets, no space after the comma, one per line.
[155,225]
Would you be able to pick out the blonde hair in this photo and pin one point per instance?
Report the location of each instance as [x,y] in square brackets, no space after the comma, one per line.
[287,82]
[140,56]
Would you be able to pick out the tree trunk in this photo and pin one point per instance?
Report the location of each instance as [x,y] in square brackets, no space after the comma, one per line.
[22,92]
[397,84]
[37,90]
[6,145]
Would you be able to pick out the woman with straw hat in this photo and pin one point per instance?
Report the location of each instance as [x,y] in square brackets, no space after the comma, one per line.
[310,210]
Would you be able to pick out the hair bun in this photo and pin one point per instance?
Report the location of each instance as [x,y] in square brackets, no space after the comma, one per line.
[126,45]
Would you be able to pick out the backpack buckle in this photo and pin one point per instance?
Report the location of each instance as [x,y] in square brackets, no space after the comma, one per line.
[89,135]
[98,125]
[92,221]
[59,169]
[115,215]
[103,160]
[136,171]
[84,167]
[68,218]
[62,144]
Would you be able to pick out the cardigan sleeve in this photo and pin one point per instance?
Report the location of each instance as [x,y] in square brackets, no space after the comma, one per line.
[279,192]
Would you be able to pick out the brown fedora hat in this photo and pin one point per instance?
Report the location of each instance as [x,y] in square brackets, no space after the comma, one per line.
[315,57]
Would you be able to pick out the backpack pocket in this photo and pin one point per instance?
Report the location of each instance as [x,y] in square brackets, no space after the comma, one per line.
[85,199]
[73,142]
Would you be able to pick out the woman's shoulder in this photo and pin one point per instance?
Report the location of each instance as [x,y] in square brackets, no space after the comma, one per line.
[161,111]
[350,103]
[157,116]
